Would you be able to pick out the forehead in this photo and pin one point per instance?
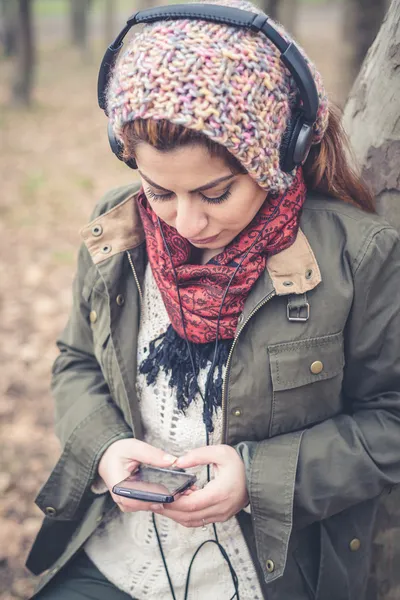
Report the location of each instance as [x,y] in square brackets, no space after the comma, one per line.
[187,167]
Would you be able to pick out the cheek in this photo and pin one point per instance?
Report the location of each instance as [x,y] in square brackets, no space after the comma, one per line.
[164,210]
[238,215]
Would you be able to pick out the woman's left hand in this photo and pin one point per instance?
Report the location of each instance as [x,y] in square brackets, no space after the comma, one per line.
[220,499]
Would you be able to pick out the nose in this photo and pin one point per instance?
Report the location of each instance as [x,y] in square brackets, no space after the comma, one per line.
[190,220]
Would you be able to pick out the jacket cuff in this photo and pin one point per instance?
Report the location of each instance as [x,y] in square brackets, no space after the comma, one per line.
[61,496]
[271,467]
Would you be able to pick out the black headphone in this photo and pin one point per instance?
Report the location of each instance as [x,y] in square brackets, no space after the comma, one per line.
[297,139]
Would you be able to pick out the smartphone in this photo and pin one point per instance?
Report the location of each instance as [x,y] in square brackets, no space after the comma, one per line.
[153,484]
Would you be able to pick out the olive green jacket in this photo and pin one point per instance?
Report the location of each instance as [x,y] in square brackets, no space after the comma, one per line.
[311,397]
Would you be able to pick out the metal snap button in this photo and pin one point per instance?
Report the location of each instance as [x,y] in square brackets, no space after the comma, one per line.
[270,566]
[355,545]
[50,511]
[120,300]
[93,316]
[287,283]
[309,273]
[97,230]
[316,367]
[237,412]
[106,249]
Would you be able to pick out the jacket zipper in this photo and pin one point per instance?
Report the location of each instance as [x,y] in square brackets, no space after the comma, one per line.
[135,276]
[226,378]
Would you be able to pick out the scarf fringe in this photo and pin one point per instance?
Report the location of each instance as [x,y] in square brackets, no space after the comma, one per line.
[169,352]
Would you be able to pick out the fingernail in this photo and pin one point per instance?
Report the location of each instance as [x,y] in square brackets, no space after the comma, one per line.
[157,507]
[168,458]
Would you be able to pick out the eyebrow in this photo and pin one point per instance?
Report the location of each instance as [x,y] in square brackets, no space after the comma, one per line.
[202,188]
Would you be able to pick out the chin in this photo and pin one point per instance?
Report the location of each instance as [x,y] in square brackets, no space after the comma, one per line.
[209,245]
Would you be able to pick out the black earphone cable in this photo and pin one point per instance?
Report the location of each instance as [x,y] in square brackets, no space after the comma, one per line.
[208,380]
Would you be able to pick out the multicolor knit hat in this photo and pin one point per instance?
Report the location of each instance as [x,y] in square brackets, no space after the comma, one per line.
[226,82]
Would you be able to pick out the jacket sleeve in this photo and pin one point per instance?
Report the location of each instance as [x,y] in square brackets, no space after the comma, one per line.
[305,476]
[87,420]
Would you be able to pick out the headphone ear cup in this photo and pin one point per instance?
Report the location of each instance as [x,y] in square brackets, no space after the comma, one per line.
[289,143]
[285,145]
[296,143]
[118,149]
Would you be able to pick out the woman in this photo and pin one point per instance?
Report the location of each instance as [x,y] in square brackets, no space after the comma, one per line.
[228,312]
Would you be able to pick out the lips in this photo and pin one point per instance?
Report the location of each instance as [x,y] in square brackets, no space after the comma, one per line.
[204,240]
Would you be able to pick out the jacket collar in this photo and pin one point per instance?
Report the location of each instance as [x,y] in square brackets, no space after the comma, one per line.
[292,271]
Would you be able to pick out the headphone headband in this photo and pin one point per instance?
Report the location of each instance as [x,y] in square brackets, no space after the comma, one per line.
[290,54]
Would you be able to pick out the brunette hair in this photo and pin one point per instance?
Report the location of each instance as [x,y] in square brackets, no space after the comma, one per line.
[328,168]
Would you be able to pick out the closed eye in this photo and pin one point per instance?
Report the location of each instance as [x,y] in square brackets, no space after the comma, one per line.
[216,200]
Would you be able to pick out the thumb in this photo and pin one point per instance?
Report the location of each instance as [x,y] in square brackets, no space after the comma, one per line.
[200,456]
[145,453]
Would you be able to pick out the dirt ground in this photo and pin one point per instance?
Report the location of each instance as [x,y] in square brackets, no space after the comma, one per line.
[54,165]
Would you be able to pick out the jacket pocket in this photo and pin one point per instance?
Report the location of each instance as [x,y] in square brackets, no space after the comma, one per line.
[306,382]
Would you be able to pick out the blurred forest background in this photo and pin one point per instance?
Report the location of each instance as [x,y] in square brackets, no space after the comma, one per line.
[55,163]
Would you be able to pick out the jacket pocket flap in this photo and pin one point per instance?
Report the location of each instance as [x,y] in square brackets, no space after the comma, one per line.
[294,364]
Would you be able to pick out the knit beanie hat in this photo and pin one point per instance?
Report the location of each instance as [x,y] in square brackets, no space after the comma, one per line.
[226,82]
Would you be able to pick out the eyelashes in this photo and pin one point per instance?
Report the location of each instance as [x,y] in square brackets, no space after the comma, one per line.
[162,197]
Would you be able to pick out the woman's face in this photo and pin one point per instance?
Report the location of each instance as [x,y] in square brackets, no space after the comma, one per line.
[198,194]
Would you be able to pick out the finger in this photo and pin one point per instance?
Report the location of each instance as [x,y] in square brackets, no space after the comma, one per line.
[209,496]
[145,453]
[130,504]
[214,514]
[203,456]
[187,492]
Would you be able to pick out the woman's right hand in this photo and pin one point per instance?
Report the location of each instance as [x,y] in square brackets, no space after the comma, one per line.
[121,459]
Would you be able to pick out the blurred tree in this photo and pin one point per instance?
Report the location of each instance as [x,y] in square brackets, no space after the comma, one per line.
[287,14]
[270,7]
[8,29]
[143,4]
[25,55]
[283,11]
[371,118]
[111,8]
[361,22]
[80,23]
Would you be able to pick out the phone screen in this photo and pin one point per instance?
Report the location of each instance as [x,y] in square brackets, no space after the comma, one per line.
[157,481]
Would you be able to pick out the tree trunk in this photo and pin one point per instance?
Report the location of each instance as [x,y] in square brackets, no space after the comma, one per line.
[287,15]
[22,88]
[80,23]
[372,120]
[8,33]
[143,4]
[111,7]
[272,8]
[361,22]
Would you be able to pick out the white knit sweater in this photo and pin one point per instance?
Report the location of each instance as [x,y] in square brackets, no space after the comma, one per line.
[125,548]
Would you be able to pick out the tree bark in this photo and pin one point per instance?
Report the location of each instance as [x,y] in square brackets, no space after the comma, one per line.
[361,22]
[23,82]
[372,120]
[8,33]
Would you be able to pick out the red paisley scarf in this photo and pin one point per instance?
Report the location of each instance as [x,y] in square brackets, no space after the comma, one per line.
[202,287]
